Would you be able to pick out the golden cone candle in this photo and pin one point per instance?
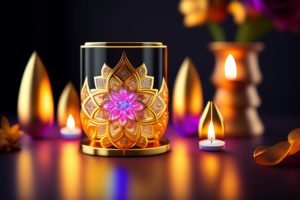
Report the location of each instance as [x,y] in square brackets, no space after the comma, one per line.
[211,129]
[68,113]
[187,99]
[68,104]
[35,101]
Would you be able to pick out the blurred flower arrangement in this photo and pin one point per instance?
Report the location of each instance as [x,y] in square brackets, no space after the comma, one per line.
[254,18]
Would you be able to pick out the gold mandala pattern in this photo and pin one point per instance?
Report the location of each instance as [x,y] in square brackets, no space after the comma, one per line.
[139,121]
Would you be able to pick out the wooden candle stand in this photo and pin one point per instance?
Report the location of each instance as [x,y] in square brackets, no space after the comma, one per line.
[237,98]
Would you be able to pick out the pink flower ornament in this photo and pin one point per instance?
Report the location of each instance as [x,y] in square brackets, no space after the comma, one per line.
[122,106]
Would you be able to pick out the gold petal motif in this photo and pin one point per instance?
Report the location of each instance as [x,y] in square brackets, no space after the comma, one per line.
[105,70]
[101,129]
[143,142]
[158,106]
[100,97]
[115,84]
[131,84]
[146,97]
[145,116]
[147,131]
[116,131]
[100,82]
[142,70]
[147,82]
[102,115]
[85,91]
[148,124]
[89,106]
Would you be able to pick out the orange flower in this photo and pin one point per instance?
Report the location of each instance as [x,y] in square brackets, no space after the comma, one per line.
[198,12]
[9,136]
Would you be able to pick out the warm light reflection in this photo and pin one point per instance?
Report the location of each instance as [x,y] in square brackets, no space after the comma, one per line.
[230,68]
[24,176]
[69,170]
[221,177]
[71,122]
[142,179]
[210,168]
[97,174]
[68,104]
[180,171]
[230,182]
[211,131]
[43,157]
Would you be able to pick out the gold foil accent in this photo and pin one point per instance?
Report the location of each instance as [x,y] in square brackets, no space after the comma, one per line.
[270,156]
[68,104]
[211,114]
[148,124]
[35,101]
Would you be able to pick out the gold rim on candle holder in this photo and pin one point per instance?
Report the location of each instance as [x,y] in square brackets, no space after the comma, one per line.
[135,152]
[124,45]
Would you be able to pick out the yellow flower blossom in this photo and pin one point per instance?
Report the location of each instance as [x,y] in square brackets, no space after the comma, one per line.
[198,12]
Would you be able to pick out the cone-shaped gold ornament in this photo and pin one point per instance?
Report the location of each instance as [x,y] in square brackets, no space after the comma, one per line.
[35,101]
[187,99]
[211,114]
[68,105]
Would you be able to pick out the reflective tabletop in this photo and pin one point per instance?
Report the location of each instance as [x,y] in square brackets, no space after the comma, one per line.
[56,169]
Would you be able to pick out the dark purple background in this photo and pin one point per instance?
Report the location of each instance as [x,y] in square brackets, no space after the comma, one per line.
[56,29]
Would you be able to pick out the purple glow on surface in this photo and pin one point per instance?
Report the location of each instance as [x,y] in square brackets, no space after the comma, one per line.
[186,126]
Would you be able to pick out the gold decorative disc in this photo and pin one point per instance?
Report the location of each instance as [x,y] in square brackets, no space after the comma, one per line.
[87,148]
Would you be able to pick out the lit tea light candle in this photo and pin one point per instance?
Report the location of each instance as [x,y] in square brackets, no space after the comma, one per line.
[211,144]
[70,131]
[211,129]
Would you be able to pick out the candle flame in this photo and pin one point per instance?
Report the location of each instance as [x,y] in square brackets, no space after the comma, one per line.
[211,125]
[230,68]
[211,131]
[70,122]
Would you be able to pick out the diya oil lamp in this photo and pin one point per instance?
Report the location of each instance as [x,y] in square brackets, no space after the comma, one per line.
[68,113]
[35,101]
[187,99]
[211,129]
[124,98]
[236,75]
